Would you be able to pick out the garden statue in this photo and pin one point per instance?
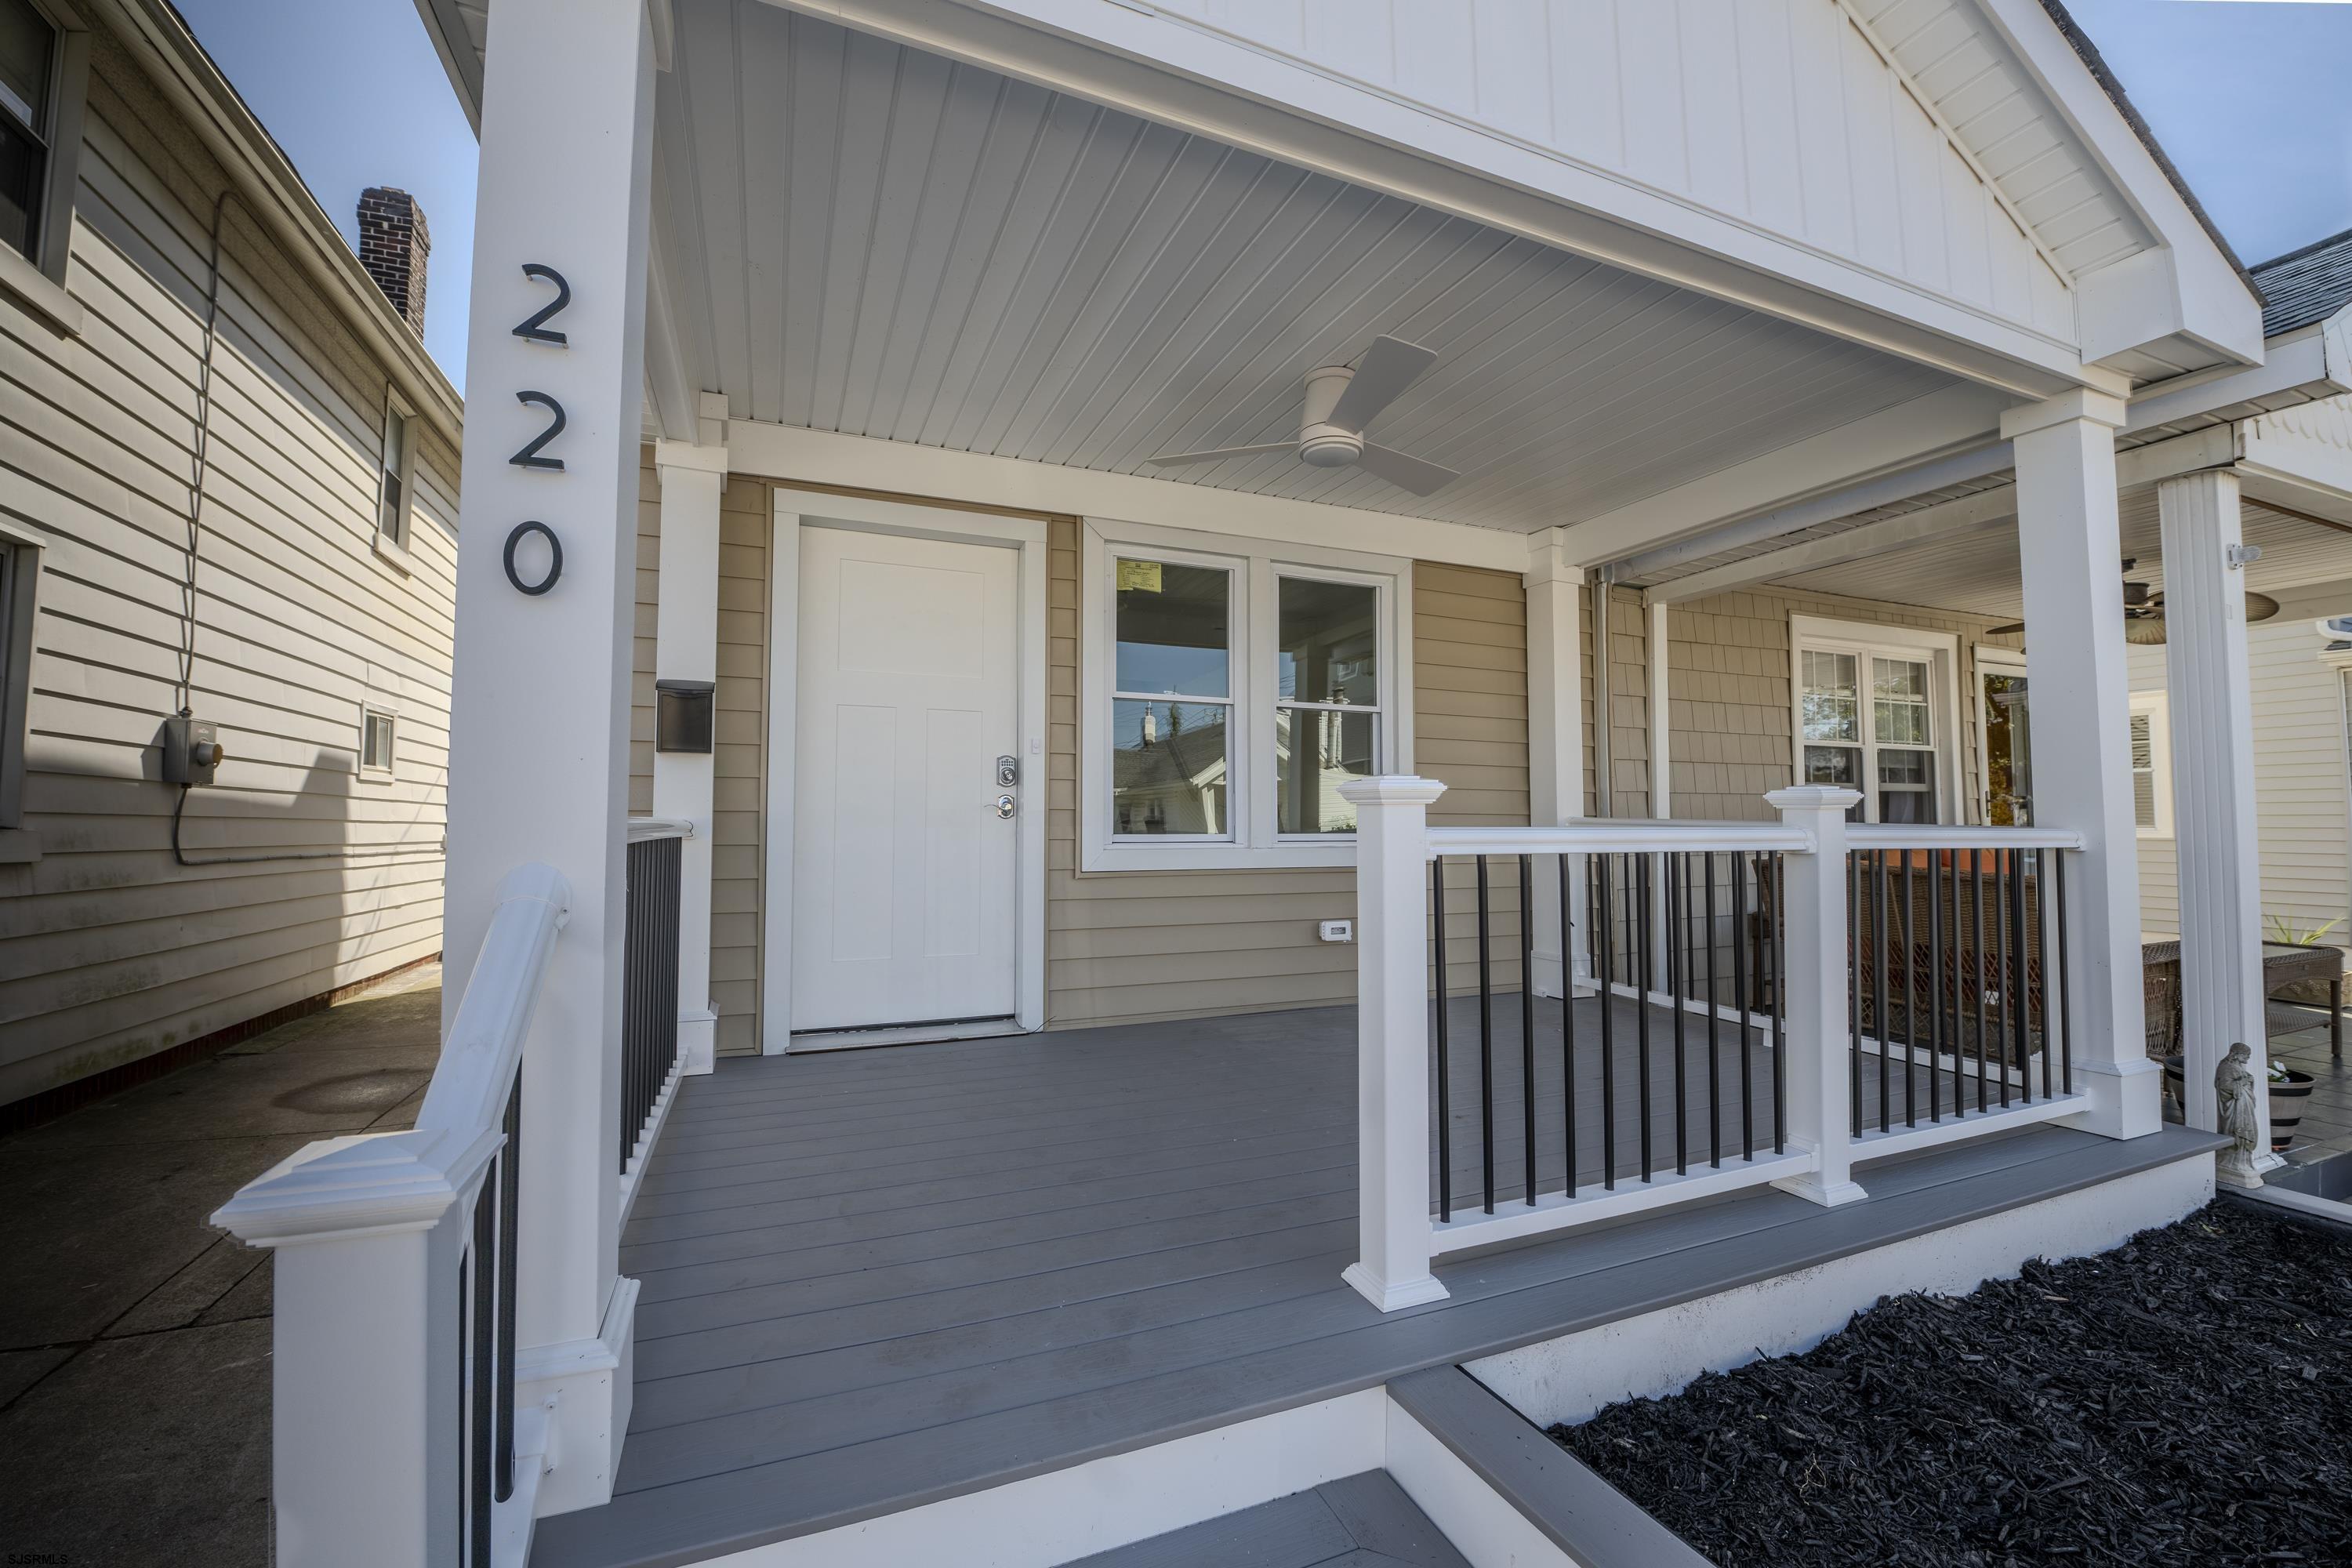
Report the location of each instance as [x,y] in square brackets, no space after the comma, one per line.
[2239,1118]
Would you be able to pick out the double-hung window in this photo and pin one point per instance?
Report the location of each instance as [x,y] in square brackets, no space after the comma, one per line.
[44,71]
[396,475]
[2151,765]
[1872,715]
[1230,687]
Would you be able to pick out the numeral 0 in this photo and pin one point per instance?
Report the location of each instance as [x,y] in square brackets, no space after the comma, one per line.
[528,456]
[533,328]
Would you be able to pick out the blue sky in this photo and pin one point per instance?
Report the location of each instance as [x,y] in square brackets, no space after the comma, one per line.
[2253,99]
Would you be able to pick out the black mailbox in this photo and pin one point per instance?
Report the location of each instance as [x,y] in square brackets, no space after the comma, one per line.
[682,716]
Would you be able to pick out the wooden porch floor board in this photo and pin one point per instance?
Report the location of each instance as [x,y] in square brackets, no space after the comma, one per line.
[812,1354]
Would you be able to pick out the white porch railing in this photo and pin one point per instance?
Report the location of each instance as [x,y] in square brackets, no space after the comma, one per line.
[1777,1000]
[396,1435]
[651,1065]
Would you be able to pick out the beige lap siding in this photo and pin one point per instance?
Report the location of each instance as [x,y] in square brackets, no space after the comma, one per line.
[109,951]
[1126,946]
[745,514]
[1730,701]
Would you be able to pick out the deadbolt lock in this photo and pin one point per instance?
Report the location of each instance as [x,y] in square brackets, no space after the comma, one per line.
[1008,773]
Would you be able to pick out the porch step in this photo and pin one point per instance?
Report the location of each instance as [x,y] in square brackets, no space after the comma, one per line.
[1590,1521]
[1363,1521]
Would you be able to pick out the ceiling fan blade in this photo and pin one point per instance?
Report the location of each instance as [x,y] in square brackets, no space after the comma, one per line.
[1388,367]
[2009,630]
[1404,470]
[1221,454]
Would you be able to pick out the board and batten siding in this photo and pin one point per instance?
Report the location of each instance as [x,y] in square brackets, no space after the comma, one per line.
[1783,115]
[2303,796]
[109,951]
[740,724]
[1127,946]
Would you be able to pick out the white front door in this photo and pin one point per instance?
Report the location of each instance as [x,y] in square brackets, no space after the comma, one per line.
[904,895]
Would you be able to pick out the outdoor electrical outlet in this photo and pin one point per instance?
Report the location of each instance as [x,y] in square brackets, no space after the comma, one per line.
[192,749]
[1336,931]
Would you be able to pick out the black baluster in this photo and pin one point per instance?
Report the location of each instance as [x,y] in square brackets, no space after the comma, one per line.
[1713,1011]
[1527,1022]
[1934,984]
[1739,999]
[1910,997]
[1639,867]
[1568,934]
[1445,1061]
[1776,953]
[1485,1037]
[1676,978]
[1878,987]
[1604,925]
[2066,974]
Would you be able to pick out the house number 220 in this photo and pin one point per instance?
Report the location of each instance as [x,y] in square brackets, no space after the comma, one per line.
[534,328]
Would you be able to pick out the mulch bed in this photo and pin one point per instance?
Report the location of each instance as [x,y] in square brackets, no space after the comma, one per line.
[2186,1399]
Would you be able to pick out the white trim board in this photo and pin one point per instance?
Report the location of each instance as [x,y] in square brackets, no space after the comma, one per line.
[784,453]
[1025,535]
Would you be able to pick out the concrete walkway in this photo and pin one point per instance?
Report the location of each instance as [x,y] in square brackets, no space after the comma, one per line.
[134,1339]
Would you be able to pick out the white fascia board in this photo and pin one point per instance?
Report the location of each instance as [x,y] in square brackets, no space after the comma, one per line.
[793,455]
[2192,289]
[1180,73]
[1925,428]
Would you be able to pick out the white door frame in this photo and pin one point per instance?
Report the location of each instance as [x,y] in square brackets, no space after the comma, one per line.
[1026,536]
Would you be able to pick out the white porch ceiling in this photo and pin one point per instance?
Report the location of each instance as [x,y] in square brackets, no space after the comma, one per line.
[861,238]
[1979,573]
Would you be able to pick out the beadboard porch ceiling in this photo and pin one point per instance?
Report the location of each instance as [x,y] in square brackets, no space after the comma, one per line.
[1978,572]
[857,237]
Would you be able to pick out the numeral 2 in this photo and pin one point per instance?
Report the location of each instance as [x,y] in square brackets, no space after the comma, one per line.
[528,456]
[534,328]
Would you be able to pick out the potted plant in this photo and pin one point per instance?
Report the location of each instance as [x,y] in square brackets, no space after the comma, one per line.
[2289,1090]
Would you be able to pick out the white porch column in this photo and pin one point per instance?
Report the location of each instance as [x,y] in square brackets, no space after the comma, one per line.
[1392,1185]
[2072,553]
[2208,684]
[539,766]
[1555,738]
[1820,1069]
[686,649]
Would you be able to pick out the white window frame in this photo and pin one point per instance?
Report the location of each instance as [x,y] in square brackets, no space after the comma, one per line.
[393,546]
[19,606]
[1253,839]
[2157,706]
[372,710]
[1865,640]
[37,280]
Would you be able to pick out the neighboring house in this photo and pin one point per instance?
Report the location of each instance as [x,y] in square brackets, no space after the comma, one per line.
[228,489]
[1057,536]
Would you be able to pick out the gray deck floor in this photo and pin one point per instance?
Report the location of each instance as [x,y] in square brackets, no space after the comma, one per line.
[879,1277]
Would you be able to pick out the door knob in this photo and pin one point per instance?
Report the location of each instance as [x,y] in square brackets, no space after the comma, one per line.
[1005,805]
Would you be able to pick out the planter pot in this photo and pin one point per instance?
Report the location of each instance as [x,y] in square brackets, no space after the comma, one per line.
[2287,1096]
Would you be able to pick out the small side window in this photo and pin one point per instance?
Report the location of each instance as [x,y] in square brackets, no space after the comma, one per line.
[398,470]
[377,733]
[20,566]
[43,69]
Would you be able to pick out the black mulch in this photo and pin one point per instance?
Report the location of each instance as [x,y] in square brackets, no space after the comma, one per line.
[2186,1399]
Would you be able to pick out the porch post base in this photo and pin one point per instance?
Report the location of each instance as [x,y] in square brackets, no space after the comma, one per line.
[586,1387]
[698,1042]
[1391,1297]
[2127,1098]
[1829,1195]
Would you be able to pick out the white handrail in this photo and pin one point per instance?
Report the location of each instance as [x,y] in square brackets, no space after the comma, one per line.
[1601,836]
[641,827]
[1927,836]
[477,1070]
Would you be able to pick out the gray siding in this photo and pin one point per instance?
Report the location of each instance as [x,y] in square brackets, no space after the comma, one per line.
[108,951]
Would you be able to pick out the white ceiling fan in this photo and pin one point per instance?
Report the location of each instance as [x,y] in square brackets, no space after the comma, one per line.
[1340,401]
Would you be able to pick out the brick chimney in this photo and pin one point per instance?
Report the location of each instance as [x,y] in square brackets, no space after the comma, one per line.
[393,243]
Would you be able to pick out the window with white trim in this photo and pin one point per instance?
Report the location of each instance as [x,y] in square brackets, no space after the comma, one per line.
[2151,763]
[44,72]
[1232,687]
[396,473]
[20,567]
[378,731]
[1872,715]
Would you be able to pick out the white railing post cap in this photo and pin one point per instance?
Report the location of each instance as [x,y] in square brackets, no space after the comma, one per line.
[1391,789]
[1813,797]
